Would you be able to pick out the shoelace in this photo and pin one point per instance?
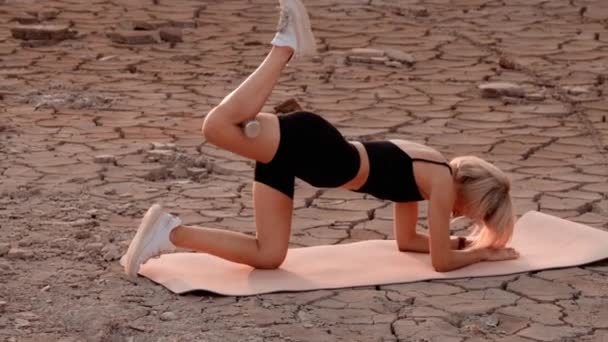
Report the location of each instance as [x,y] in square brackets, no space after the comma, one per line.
[283,20]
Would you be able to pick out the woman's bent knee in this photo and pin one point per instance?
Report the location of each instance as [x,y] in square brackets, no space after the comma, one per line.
[270,261]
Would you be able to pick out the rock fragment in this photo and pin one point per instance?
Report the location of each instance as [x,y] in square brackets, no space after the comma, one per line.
[19,254]
[498,89]
[288,106]
[168,316]
[506,62]
[4,248]
[2,306]
[366,52]
[104,159]
[400,56]
[133,37]
[43,32]
[171,34]
[576,90]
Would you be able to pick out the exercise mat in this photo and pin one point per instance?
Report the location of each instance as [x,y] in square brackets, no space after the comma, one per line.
[543,241]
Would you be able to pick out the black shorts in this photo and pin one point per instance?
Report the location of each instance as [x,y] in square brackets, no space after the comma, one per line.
[311,149]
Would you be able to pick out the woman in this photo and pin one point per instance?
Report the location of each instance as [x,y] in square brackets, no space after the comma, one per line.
[306,146]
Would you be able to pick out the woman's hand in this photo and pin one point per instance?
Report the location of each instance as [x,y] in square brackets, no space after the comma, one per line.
[501,254]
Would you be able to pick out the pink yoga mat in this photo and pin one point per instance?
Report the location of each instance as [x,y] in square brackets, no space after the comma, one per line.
[544,242]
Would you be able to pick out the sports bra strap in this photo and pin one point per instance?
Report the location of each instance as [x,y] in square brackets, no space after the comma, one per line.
[434,162]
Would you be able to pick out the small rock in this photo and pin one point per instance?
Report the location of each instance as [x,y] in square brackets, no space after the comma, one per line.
[45,288]
[160,155]
[366,52]
[196,171]
[498,89]
[43,32]
[47,15]
[3,306]
[400,56]
[156,174]
[420,12]
[179,171]
[358,59]
[491,321]
[21,323]
[507,63]
[577,90]
[63,243]
[110,192]
[82,234]
[393,64]
[19,253]
[308,325]
[111,253]
[163,146]
[104,159]
[171,34]
[288,106]
[26,19]
[94,246]
[535,97]
[511,100]
[133,37]
[168,316]
[379,60]
[4,248]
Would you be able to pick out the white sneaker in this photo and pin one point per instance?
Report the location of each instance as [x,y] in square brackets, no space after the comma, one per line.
[294,30]
[151,239]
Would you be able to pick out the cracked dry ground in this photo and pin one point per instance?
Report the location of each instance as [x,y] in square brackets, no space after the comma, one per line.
[93,132]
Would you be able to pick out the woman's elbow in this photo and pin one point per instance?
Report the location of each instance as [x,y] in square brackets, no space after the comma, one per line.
[441,266]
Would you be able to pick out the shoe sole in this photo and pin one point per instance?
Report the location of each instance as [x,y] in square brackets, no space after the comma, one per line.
[145,230]
[303,30]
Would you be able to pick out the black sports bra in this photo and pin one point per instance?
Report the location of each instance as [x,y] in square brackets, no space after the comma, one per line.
[391,173]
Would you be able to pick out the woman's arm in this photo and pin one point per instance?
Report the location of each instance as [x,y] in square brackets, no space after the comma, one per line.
[408,239]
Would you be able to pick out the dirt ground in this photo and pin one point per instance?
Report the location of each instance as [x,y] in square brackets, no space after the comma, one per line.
[100,121]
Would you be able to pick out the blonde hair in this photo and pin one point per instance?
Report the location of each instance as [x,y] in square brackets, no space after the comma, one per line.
[482,191]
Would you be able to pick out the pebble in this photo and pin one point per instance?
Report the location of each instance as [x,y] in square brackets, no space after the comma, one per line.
[535,97]
[400,56]
[42,32]
[168,316]
[82,234]
[3,306]
[498,89]
[133,37]
[163,146]
[4,248]
[491,321]
[179,171]
[576,90]
[393,64]
[171,34]
[111,253]
[104,159]
[288,106]
[366,52]
[19,253]
[507,63]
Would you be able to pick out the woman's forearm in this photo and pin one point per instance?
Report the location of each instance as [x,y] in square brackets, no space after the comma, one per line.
[461,258]
[420,243]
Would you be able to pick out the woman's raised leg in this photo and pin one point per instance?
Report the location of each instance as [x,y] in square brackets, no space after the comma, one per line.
[222,124]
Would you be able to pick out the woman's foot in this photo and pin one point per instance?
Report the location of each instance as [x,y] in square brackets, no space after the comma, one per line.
[294,30]
[151,239]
